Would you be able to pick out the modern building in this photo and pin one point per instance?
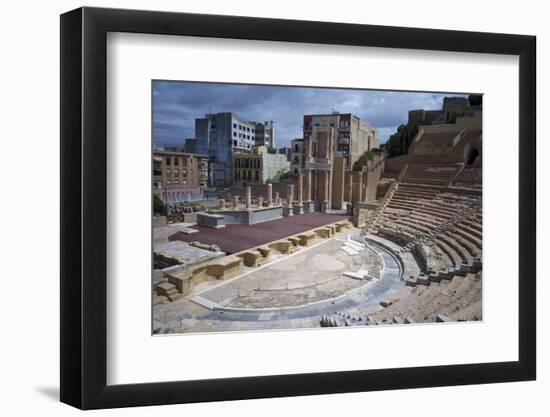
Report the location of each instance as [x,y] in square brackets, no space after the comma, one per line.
[190,145]
[218,136]
[258,167]
[297,157]
[286,151]
[350,136]
[332,143]
[179,176]
[265,134]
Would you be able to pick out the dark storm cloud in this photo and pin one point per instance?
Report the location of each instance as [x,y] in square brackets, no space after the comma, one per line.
[177,104]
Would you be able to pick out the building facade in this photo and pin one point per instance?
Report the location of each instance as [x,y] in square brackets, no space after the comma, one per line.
[258,167]
[179,176]
[265,134]
[350,136]
[332,143]
[219,136]
[297,157]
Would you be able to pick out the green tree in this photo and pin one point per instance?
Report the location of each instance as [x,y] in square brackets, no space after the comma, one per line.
[158,205]
[398,143]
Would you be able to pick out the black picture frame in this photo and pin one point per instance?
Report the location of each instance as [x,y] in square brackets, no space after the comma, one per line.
[84,207]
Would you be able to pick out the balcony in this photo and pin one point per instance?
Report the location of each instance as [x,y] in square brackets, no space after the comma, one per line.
[343,140]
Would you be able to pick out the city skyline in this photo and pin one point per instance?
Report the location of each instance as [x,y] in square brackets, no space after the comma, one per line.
[176,104]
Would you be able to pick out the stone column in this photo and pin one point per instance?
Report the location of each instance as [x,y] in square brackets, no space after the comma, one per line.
[300,188]
[222,203]
[325,203]
[260,202]
[299,208]
[290,194]
[277,199]
[358,188]
[308,185]
[349,186]
[364,183]
[269,195]
[235,202]
[248,200]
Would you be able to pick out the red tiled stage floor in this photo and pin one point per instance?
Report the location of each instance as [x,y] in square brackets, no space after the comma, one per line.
[237,237]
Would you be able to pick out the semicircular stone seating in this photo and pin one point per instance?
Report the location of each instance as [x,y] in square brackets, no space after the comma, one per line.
[438,206]
[435,212]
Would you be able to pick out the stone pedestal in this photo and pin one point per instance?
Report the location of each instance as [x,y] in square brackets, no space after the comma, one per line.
[235,202]
[277,199]
[287,211]
[309,206]
[349,209]
[260,202]
[222,203]
[298,209]
[325,206]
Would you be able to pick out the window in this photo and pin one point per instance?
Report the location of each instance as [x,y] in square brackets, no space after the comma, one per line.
[248,129]
[257,175]
[168,161]
[234,125]
[235,134]
[235,142]
[176,161]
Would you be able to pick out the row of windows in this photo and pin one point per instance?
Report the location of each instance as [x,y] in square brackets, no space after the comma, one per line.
[168,161]
[247,163]
[243,136]
[343,125]
[245,128]
[241,145]
[247,175]
[158,184]
[176,172]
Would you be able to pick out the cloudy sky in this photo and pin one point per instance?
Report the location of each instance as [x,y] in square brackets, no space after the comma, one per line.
[177,104]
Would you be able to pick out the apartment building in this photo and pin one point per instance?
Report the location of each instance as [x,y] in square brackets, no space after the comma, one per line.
[179,176]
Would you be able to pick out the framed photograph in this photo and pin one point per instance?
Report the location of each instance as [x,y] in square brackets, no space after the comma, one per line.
[257,208]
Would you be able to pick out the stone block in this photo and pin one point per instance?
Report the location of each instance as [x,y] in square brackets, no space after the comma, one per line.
[210,220]
[306,238]
[224,267]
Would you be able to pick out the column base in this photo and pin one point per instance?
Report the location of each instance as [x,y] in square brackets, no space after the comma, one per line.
[298,209]
[349,209]
[325,205]
[287,211]
[309,206]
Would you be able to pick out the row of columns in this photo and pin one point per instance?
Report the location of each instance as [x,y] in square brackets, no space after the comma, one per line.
[353,190]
